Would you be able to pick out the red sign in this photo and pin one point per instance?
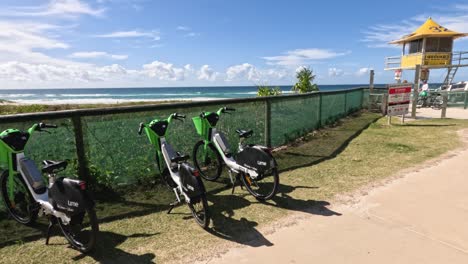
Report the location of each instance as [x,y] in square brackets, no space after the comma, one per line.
[399,97]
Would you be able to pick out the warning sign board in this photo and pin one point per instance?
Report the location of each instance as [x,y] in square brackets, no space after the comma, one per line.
[399,97]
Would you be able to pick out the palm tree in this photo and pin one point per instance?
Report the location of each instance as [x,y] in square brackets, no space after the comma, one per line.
[304,81]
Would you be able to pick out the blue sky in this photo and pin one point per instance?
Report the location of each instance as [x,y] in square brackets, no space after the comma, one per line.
[134,43]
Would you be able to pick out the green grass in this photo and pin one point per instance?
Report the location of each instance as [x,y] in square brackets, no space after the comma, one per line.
[331,161]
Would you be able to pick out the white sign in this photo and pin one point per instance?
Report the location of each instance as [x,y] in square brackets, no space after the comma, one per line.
[399,97]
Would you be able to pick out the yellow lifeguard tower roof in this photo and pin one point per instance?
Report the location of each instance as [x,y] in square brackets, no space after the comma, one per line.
[429,29]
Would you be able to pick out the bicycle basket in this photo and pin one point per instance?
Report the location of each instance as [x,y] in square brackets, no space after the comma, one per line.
[201,125]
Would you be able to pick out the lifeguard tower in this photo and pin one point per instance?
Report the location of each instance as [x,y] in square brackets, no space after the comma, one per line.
[429,47]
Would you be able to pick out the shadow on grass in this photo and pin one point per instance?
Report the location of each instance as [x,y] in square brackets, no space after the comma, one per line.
[107,251]
[241,230]
[324,145]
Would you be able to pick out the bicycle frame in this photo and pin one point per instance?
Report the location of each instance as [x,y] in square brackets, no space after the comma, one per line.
[229,160]
[163,149]
[14,158]
[209,136]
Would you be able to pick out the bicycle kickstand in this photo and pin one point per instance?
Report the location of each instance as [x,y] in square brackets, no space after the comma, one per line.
[237,180]
[52,222]
[173,205]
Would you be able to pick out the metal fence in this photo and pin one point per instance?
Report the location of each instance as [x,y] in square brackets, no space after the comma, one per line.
[104,147]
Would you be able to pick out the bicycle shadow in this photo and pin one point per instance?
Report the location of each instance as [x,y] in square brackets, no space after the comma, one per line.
[106,250]
[284,200]
[224,226]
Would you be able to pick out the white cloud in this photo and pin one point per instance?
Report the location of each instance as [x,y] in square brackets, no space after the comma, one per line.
[244,71]
[20,71]
[183,28]
[363,71]
[97,54]
[303,56]
[248,72]
[132,34]
[192,34]
[207,73]
[21,41]
[335,72]
[64,8]
[164,71]
[189,68]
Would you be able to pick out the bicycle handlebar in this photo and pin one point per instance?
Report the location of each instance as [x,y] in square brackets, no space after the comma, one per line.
[177,115]
[43,125]
[140,129]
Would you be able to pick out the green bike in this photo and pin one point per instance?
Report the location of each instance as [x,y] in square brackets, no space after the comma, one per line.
[176,172]
[65,201]
[254,165]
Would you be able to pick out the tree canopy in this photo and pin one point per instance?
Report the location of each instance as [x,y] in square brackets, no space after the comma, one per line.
[305,78]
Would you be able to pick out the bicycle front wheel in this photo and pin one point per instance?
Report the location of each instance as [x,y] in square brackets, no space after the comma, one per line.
[264,187]
[82,230]
[199,209]
[207,160]
[22,207]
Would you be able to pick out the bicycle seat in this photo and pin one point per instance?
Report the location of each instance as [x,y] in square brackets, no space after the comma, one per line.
[51,166]
[180,158]
[244,133]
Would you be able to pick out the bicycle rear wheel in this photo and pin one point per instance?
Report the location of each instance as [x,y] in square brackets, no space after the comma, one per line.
[263,187]
[22,207]
[199,209]
[208,161]
[82,230]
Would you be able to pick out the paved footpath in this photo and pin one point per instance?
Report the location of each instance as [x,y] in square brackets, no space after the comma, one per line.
[420,218]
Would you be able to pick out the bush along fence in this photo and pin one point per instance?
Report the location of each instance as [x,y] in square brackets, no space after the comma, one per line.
[104,147]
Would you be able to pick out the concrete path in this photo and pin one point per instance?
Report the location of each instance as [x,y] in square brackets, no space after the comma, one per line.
[420,218]
[452,112]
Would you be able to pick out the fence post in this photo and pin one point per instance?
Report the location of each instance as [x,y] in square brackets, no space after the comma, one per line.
[371,81]
[83,172]
[417,72]
[466,100]
[443,112]
[320,110]
[267,122]
[346,103]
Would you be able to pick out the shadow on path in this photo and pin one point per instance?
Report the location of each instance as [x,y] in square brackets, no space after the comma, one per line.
[241,231]
[284,200]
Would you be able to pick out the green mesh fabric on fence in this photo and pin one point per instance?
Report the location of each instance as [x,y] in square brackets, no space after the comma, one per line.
[333,107]
[118,155]
[458,99]
[365,98]
[353,101]
[293,117]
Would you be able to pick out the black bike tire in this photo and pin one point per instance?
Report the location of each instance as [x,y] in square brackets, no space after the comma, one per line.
[218,157]
[202,222]
[438,103]
[31,218]
[258,196]
[94,232]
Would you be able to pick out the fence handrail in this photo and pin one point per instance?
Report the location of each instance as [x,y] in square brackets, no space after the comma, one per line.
[153,107]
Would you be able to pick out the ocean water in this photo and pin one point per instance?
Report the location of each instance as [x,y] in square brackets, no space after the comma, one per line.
[119,95]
